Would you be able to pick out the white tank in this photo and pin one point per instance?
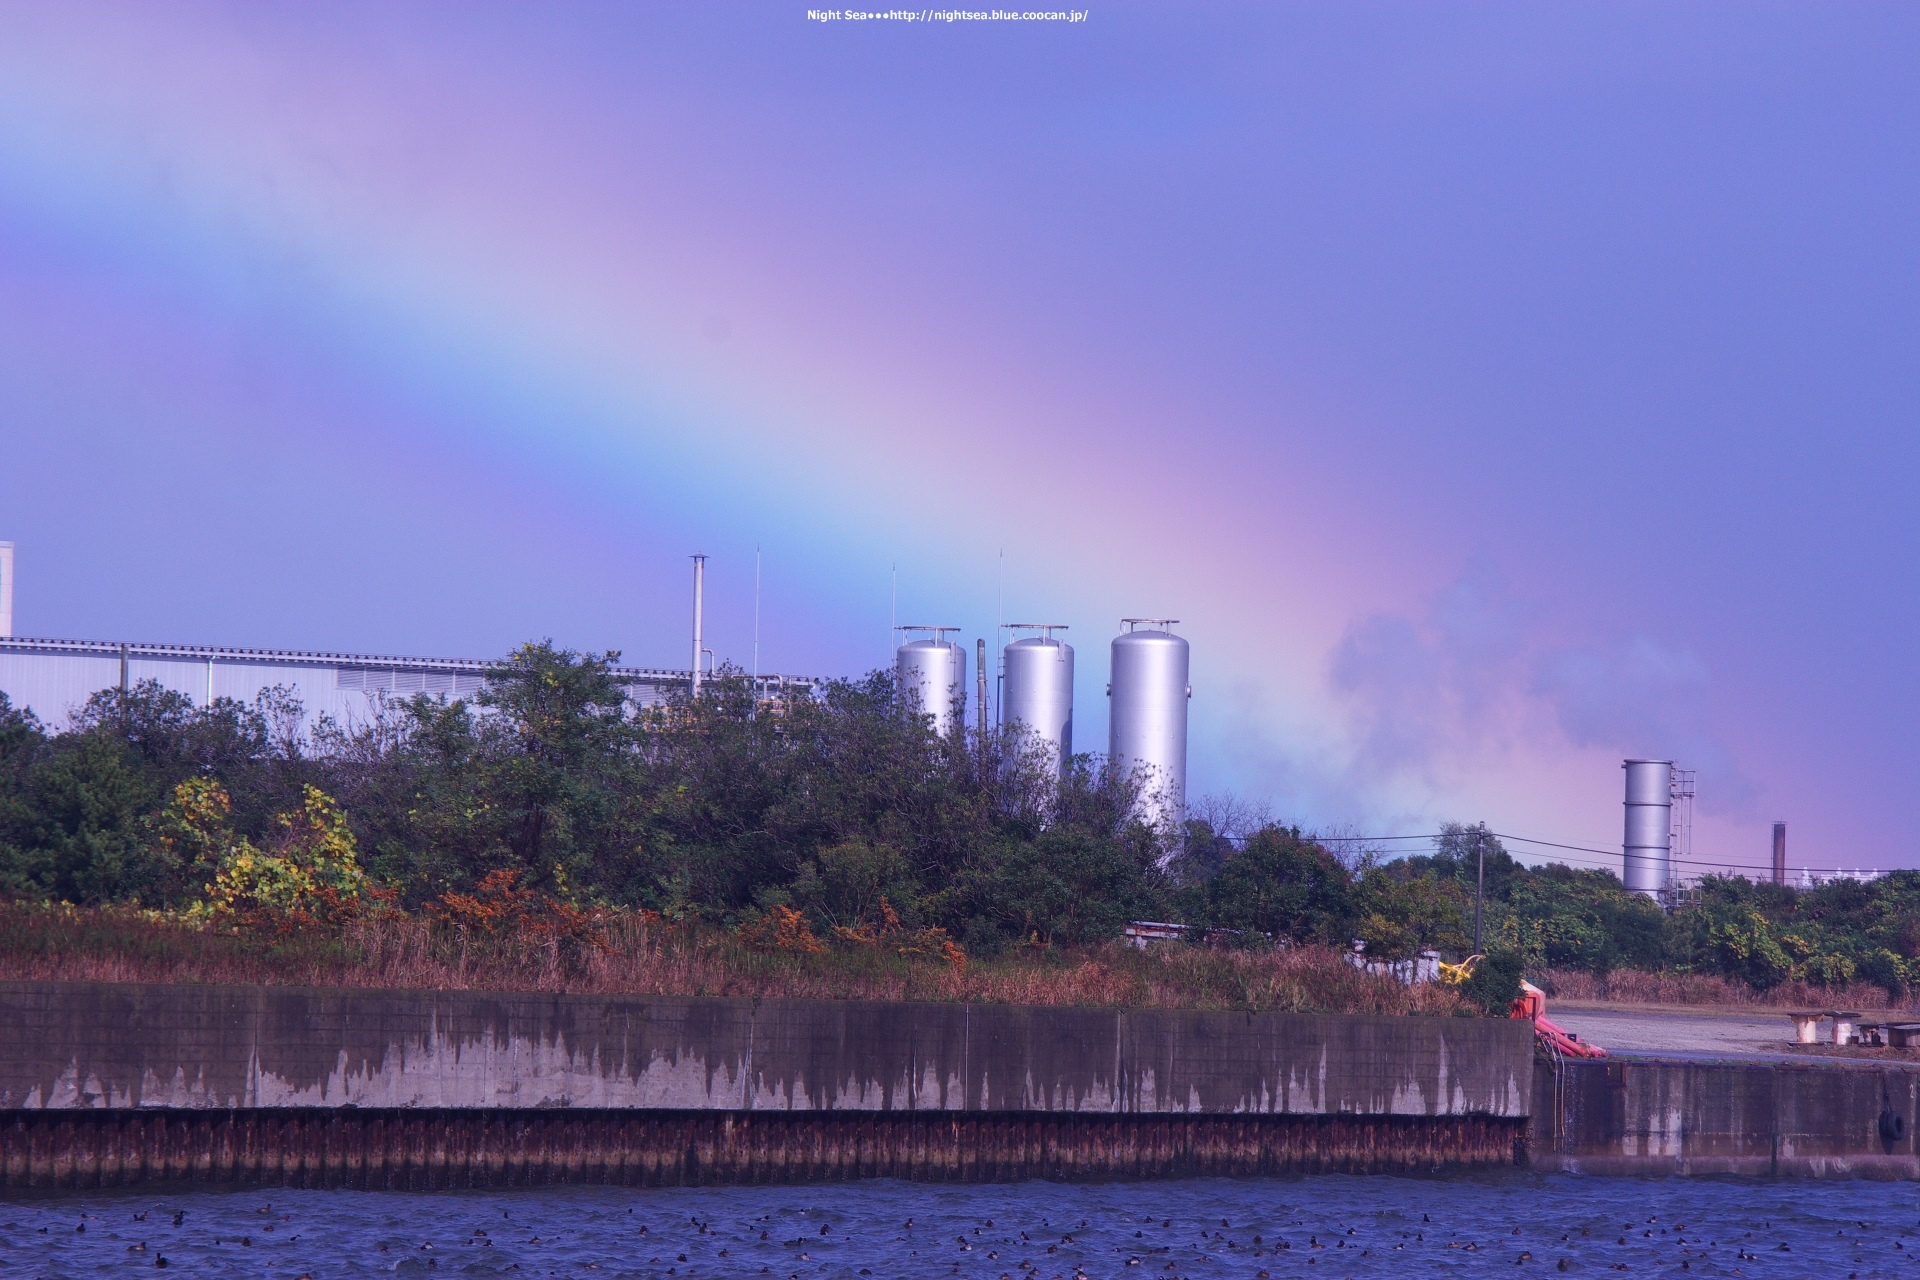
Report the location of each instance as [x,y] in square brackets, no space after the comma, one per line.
[1147,714]
[1648,861]
[932,676]
[1038,691]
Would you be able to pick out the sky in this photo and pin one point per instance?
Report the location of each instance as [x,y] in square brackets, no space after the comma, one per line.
[1493,391]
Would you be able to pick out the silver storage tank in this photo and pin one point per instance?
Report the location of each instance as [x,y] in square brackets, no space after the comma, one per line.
[1038,690]
[1648,863]
[1147,714]
[932,676]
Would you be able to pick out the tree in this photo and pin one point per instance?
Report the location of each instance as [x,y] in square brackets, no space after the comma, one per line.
[1403,912]
[1061,887]
[1558,917]
[311,870]
[1281,885]
[553,788]
[1460,851]
[82,822]
[844,884]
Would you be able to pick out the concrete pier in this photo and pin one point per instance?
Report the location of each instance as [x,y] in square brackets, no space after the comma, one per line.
[1814,1118]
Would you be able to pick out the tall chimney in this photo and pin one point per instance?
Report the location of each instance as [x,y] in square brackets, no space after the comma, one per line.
[699,595]
[6,589]
[1779,853]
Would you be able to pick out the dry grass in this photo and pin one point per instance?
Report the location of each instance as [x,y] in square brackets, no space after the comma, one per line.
[1634,986]
[638,956]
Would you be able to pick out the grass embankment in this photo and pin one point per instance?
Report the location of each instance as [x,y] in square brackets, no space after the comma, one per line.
[1637,987]
[632,954]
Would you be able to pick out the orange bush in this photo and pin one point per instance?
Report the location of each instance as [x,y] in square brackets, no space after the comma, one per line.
[890,934]
[498,909]
[781,929]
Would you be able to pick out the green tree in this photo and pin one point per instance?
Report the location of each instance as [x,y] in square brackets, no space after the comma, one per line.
[1558,917]
[1495,981]
[1283,886]
[1403,912]
[844,884]
[1060,887]
[553,785]
[85,838]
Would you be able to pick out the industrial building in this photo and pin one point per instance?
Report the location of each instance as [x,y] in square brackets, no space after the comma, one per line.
[54,678]
[1148,689]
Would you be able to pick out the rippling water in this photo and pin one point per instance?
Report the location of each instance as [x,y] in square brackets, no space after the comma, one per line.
[1313,1227]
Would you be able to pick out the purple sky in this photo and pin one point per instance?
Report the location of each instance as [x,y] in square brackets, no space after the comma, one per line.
[1494,391]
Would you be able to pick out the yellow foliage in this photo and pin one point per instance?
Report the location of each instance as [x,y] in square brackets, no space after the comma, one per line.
[313,870]
[193,827]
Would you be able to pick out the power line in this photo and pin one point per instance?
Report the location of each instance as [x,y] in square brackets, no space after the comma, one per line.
[1609,854]
[1615,853]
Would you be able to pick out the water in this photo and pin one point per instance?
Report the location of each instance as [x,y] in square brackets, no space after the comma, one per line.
[1513,1223]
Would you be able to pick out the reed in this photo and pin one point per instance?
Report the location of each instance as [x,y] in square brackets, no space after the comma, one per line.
[1639,987]
[630,953]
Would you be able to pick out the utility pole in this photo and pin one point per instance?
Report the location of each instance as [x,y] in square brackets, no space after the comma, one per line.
[1479,884]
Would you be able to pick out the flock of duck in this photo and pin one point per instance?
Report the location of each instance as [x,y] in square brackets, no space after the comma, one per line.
[1036,1231]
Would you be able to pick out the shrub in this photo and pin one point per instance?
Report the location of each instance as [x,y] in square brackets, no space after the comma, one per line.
[780,929]
[1495,982]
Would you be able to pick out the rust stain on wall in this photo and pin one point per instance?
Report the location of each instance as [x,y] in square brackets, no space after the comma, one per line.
[422,1149]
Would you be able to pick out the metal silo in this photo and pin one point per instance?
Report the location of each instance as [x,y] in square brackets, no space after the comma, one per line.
[1038,693]
[932,676]
[1648,861]
[1147,714]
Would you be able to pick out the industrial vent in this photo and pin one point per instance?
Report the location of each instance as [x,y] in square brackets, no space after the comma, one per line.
[404,683]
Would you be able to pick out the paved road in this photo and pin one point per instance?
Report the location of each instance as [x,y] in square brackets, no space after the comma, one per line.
[1691,1031]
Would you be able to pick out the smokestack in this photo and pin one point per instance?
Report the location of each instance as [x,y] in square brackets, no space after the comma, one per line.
[1779,853]
[699,595]
[980,656]
[6,589]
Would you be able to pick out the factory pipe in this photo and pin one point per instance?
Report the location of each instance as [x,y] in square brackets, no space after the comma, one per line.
[699,600]
[6,589]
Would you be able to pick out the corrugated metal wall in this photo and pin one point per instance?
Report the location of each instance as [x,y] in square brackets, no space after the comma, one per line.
[54,678]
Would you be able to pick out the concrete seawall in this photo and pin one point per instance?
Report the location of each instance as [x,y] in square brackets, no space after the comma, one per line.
[432,1147]
[1810,1118]
[110,1083]
[111,1046]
